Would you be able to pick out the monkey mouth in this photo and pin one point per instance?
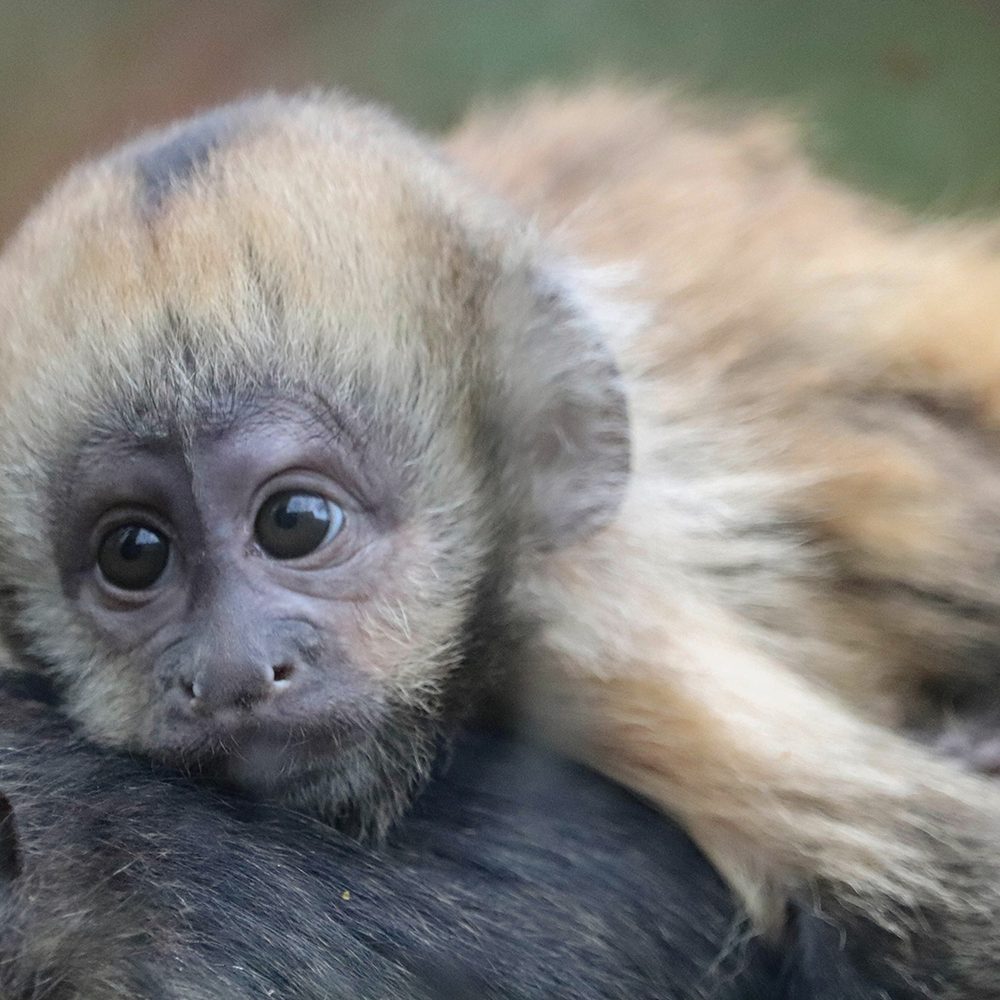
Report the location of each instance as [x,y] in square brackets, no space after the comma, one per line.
[357,774]
[265,763]
[251,753]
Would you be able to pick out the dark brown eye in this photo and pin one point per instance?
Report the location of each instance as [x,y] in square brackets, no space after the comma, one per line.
[133,556]
[291,525]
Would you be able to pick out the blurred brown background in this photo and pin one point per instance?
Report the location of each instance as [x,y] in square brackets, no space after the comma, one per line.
[904,95]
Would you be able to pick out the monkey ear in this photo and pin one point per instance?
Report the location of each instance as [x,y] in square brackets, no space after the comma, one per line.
[567,423]
[10,850]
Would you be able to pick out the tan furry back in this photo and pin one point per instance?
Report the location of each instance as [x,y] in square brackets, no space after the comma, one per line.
[810,546]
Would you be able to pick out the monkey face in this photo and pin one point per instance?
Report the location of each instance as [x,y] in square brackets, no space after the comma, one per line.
[288,413]
[236,574]
[256,590]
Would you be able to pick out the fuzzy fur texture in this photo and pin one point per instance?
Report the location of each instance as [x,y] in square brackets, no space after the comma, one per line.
[802,566]
[805,562]
[158,890]
[192,281]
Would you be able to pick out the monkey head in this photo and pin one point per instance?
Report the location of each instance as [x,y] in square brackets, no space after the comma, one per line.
[287,402]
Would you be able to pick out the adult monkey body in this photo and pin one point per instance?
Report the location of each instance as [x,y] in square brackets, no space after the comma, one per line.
[117,883]
[306,432]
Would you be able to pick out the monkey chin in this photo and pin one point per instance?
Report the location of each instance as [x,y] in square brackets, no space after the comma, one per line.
[358,776]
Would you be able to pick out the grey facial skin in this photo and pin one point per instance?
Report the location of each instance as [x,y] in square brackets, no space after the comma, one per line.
[240,641]
[243,626]
[508,881]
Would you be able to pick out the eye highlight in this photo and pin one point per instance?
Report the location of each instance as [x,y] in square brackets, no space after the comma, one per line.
[133,556]
[292,524]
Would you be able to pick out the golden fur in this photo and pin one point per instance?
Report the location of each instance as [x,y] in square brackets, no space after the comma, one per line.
[803,568]
[812,533]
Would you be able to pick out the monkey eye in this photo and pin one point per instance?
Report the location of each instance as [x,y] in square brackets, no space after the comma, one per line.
[133,556]
[290,525]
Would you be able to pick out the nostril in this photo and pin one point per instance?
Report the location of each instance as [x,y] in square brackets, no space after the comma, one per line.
[189,688]
[282,673]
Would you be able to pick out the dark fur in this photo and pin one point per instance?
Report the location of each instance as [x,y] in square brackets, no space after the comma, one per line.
[166,167]
[511,879]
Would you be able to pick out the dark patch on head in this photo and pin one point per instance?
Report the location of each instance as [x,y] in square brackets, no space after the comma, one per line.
[169,164]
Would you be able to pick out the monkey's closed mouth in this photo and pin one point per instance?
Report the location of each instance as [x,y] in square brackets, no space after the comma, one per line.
[255,754]
[265,762]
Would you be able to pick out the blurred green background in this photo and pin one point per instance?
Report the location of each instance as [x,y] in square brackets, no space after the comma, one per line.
[901,96]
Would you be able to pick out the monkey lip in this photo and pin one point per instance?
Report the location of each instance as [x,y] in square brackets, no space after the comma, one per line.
[264,761]
[255,754]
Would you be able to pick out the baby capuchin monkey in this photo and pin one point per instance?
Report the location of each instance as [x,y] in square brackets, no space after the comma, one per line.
[312,430]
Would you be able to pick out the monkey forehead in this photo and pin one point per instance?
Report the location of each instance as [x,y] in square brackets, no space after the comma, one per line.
[134,425]
[322,214]
[231,443]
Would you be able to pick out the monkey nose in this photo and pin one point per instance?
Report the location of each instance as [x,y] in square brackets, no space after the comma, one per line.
[222,686]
